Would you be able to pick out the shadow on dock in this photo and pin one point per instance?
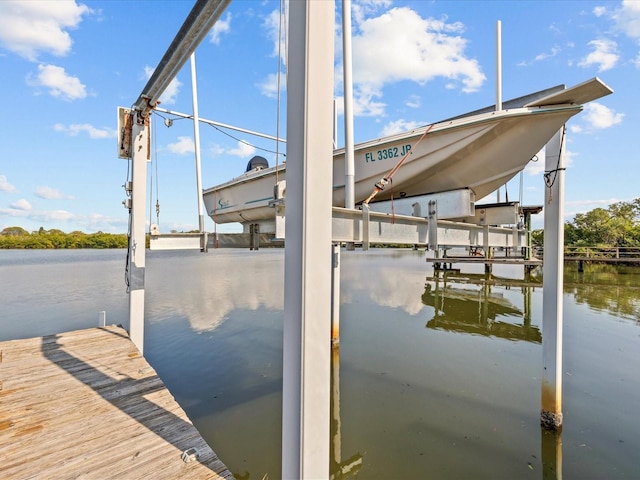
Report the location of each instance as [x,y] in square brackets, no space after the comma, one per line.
[95,409]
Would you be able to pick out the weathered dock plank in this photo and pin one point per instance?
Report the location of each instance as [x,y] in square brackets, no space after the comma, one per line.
[86,404]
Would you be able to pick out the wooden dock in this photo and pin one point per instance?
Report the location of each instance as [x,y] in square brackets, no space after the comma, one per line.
[86,404]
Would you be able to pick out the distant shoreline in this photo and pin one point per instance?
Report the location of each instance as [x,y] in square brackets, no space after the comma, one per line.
[18,238]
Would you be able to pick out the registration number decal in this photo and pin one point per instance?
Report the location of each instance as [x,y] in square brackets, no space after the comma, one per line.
[387,153]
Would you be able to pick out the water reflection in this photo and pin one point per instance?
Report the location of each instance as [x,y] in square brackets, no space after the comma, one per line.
[551,455]
[396,285]
[467,303]
[606,288]
[340,469]
[208,291]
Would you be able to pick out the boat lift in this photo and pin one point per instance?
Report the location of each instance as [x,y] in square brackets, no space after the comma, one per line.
[310,257]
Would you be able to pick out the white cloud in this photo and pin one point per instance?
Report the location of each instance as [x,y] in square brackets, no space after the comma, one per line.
[399,126]
[365,103]
[243,150]
[5,186]
[89,223]
[534,168]
[50,193]
[52,215]
[29,28]
[274,24]
[93,132]
[627,18]
[215,150]
[269,86]
[395,46]
[555,50]
[572,207]
[543,56]
[220,27]
[413,101]
[58,82]
[604,56]
[22,205]
[183,146]
[409,47]
[406,47]
[598,116]
[536,165]
[97,221]
[363,8]
[599,11]
[169,95]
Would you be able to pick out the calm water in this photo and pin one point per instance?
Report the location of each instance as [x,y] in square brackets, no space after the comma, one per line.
[435,377]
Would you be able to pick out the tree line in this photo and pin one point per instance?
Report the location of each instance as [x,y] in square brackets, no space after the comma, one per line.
[618,225]
[19,238]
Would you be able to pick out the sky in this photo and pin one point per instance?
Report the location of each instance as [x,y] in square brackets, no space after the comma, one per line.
[66,66]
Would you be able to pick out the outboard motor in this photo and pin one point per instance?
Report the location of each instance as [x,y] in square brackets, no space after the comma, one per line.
[257,163]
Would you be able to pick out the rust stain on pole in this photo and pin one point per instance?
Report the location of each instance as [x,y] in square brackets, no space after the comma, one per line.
[551,412]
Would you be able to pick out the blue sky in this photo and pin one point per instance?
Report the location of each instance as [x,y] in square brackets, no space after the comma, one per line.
[66,66]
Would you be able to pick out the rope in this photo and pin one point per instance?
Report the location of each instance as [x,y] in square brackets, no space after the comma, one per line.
[549,182]
[384,181]
[223,132]
[244,141]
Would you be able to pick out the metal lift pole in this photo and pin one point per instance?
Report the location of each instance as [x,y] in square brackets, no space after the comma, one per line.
[140,136]
[349,161]
[552,287]
[308,251]
[198,23]
[196,141]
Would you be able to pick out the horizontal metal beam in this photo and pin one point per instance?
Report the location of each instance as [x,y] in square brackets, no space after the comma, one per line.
[221,125]
[349,225]
[196,26]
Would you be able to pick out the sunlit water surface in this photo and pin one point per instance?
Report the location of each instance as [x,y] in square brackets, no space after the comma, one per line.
[435,377]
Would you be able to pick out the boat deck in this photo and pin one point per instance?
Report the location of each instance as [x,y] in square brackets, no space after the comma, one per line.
[86,404]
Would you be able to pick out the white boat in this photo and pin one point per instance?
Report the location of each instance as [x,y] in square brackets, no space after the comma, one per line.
[481,150]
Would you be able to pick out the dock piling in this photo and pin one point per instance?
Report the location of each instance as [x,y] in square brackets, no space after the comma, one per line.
[552,321]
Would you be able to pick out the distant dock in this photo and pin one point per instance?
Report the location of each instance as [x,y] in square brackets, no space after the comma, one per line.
[86,404]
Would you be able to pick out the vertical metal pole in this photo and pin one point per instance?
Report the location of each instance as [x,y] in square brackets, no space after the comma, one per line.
[527,225]
[196,141]
[140,155]
[433,227]
[335,296]
[365,226]
[498,70]
[551,412]
[102,318]
[335,124]
[336,434]
[307,315]
[349,160]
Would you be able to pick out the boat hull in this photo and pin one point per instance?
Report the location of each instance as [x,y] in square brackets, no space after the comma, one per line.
[481,150]
[481,153]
